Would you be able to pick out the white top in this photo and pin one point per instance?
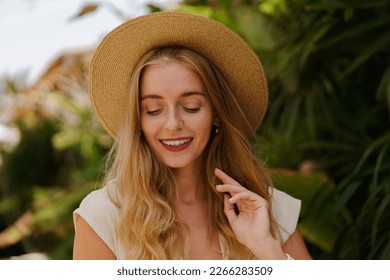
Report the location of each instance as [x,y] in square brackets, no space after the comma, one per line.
[102,215]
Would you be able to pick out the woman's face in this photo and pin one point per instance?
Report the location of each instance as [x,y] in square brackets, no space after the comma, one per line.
[176,114]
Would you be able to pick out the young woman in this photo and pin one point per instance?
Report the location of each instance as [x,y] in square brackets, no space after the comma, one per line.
[181,95]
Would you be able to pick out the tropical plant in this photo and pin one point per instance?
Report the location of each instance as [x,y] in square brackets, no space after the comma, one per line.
[55,164]
[58,159]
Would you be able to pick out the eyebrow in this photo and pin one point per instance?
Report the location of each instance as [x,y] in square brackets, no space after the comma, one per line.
[185,94]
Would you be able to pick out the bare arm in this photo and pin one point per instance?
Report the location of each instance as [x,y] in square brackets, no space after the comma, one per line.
[88,245]
[295,246]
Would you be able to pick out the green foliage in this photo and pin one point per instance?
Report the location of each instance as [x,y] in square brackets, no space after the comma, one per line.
[57,161]
[336,57]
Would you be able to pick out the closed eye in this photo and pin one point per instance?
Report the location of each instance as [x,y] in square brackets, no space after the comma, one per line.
[154,112]
[191,110]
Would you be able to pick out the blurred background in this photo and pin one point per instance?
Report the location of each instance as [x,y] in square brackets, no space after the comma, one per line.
[325,138]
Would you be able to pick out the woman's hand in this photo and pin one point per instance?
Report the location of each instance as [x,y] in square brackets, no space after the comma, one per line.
[252,225]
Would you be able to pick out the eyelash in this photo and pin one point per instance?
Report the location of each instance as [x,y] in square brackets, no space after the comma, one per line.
[152,113]
[191,110]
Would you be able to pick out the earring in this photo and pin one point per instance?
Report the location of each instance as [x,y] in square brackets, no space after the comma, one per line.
[216,128]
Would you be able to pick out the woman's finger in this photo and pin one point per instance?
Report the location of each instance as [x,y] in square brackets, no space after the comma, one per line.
[229,210]
[232,189]
[226,179]
[245,196]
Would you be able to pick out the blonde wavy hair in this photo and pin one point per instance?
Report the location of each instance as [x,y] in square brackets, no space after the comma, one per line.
[145,187]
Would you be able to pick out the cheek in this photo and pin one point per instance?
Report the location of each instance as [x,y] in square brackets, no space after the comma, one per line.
[204,126]
[143,123]
[148,129]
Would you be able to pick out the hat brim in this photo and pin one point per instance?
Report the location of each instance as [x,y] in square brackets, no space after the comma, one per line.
[119,52]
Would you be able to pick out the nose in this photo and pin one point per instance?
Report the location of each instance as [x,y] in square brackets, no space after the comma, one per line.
[174,120]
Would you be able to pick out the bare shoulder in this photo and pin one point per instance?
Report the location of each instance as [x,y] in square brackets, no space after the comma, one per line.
[88,245]
[296,247]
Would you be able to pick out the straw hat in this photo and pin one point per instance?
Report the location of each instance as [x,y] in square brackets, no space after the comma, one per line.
[120,50]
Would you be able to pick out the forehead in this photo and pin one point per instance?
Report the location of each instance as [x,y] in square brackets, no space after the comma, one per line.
[171,78]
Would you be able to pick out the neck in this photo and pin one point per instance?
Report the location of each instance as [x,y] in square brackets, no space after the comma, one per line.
[190,184]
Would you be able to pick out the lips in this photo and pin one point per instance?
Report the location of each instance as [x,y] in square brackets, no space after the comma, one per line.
[177,144]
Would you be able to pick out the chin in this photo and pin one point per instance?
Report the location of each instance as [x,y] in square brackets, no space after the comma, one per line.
[178,164]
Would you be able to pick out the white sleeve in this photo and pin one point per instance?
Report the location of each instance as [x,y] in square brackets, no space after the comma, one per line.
[102,215]
[285,209]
